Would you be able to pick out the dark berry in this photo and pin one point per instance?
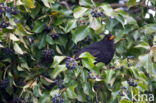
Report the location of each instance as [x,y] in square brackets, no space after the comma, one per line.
[71,63]
[18,100]
[57,99]
[47,28]
[8,52]
[132,82]
[21,83]
[4,24]
[47,55]
[2,10]
[14,11]
[76,48]
[4,83]
[1,4]
[96,13]
[55,36]
[59,83]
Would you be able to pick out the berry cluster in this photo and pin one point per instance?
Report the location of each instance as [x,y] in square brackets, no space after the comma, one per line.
[4,24]
[96,13]
[71,63]
[4,83]
[18,100]
[7,51]
[59,83]
[47,56]
[132,83]
[57,99]
[55,36]
[11,10]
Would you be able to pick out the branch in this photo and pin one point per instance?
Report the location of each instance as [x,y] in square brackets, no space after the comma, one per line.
[116,5]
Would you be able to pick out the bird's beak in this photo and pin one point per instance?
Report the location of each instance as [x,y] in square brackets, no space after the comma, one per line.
[112,37]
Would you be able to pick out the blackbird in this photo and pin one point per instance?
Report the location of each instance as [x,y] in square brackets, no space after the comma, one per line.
[102,50]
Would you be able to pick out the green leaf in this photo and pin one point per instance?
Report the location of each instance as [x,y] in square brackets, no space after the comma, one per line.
[143,44]
[107,9]
[57,60]
[20,30]
[47,2]
[37,91]
[86,55]
[54,92]
[38,27]
[71,92]
[58,69]
[149,29]
[86,88]
[42,42]
[71,25]
[80,33]
[29,3]
[13,37]
[85,2]
[96,25]
[80,11]
[49,40]
[45,98]
[18,49]
[131,3]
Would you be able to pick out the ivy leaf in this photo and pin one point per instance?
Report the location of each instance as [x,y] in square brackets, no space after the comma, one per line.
[71,25]
[71,92]
[18,49]
[80,11]
[107,9]
[80,33]
[131,3]
[58,69]
[85,2]
[38,27]
[29,3]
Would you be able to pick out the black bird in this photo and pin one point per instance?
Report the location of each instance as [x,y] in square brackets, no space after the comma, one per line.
[102,50]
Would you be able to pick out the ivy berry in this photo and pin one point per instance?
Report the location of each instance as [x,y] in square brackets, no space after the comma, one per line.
[57,99]
[4,83]
[47,55]
[132,83]
[71,63]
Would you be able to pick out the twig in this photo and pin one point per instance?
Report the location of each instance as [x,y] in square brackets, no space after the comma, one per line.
[6,70]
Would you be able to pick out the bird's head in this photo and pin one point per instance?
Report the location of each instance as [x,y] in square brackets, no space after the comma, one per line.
[109,37]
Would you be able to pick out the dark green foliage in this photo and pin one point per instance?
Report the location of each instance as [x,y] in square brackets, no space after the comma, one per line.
[39,40]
